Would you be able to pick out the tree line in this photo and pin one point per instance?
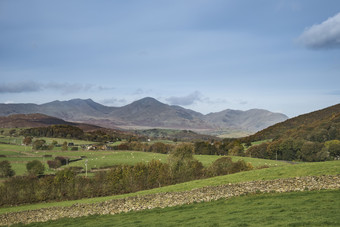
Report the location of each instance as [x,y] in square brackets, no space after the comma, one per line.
[67,185]
[292,149]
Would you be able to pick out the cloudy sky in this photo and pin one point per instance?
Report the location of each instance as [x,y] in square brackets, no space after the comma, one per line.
[206,55]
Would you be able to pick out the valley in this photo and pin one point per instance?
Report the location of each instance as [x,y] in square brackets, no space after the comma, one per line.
[143,164]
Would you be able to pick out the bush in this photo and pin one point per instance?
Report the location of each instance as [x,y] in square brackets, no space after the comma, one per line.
[313,152]
[74,148]
[225,165]
[53,164]
[221,166]
[35,167]
[183,166]
[6,169]
[62,160]
[39,145]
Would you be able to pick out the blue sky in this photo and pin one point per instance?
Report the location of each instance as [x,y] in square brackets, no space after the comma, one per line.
[206,55]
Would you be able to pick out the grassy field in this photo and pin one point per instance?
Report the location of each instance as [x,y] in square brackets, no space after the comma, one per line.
[308,208]
[15,149]
[19,155]
[280,172]
[317,208]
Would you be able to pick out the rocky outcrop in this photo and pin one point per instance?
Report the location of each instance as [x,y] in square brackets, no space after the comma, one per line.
[170,199]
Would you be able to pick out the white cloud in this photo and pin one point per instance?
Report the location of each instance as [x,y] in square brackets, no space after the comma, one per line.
[64,88]
[20,87]
[67,88]
[185,100]
[322,36]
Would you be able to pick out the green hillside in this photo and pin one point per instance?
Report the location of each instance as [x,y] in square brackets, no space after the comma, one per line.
[309,208]
[280,172]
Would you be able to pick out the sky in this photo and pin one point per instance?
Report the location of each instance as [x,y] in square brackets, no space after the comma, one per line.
[204,55]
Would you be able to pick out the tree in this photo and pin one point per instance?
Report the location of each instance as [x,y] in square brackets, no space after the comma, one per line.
[221,166]
[258,151]
[182,164]
[27,140]
[54,164]
[333,148]
[39,145]
[64,147]
[6,169]
[35,167]
[313,152]
[12,132]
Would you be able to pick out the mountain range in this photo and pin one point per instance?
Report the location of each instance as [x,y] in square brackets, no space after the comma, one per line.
[149,113]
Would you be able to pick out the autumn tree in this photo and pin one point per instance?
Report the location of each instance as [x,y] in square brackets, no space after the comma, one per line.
[182,164]
[313,152]
[27,140]
[64,146]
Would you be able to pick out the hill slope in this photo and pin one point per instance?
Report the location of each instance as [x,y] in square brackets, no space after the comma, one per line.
[303,126]
[251,120]
[38,120]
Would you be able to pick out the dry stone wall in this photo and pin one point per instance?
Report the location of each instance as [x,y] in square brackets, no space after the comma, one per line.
[170,199]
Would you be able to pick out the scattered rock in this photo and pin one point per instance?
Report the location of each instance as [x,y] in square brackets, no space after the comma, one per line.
[169,199]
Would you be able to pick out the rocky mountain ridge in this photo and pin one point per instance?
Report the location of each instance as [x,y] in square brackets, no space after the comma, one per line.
[148,113]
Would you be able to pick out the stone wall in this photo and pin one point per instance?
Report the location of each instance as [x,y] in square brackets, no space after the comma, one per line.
[173,198]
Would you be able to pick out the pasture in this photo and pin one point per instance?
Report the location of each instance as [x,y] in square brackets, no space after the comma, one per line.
[308,208]
[316,208]
[279,172]
[19,155]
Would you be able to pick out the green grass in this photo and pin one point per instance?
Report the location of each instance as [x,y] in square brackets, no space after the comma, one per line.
[8,148]
[256,162]
[19,164]
[308,208]
[61,141]
[10,139]
[281,172]
[98,159]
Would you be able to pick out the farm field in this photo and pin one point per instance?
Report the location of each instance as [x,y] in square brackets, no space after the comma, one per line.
[308,208]
[19,155]
[274,208]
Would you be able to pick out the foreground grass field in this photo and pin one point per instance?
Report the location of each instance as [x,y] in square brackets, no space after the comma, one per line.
[308,208]
[280,172]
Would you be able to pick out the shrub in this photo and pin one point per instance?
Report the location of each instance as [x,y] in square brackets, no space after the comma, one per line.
[74,148]
[53,164]
[6,169]
[35,167]
[221,166]
[183,166]
[62,160]
[313,152]
[39,145]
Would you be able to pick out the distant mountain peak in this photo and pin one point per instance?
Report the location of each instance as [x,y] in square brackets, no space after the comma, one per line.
[149,112]
[148,100]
